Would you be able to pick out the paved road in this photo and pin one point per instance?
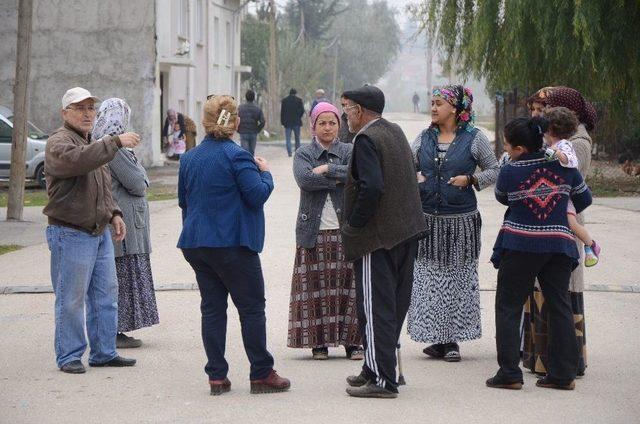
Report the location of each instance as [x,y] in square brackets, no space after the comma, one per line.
[168,384]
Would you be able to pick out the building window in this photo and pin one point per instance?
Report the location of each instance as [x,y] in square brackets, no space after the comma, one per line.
[200,19]
[183,19]
[216,41]
[228,44]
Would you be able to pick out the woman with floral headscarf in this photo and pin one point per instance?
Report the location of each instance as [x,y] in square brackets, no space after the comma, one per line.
[445,302]
[136,297]
[536,331]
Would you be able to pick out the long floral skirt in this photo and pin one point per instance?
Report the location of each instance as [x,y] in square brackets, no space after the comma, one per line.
[322,310]
[536,332]
[136,296]
[445,300]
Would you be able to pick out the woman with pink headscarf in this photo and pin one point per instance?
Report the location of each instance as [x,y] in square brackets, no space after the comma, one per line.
[322,310]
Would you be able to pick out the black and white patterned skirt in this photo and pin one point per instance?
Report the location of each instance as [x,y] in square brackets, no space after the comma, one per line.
[136,296]
[445,301]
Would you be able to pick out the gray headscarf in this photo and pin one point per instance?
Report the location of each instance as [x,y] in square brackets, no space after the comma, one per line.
[113,118]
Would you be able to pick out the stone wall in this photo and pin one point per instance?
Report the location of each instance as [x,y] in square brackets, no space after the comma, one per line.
[107,47]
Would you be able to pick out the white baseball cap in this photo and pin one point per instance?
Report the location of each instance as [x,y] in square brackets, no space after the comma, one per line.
[76,95]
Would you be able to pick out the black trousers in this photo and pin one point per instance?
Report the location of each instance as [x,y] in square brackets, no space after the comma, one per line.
[384,279]
[516,277]
[235,271]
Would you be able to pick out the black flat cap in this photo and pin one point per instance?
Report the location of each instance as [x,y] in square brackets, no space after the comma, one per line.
[367,96]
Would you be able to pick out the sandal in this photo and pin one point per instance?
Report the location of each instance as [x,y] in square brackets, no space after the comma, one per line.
[452,352]
[355,353]
[435,350]
[320,353]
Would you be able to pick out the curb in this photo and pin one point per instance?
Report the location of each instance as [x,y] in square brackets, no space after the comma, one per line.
[602,288]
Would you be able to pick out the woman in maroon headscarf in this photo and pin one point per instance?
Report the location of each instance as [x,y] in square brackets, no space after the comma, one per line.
[535,316]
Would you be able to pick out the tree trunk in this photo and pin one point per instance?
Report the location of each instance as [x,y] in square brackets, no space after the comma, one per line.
[20,96]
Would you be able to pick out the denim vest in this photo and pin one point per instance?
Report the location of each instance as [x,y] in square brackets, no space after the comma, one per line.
[437,196]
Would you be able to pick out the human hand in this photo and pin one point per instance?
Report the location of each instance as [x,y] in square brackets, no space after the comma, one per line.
[321,169]
[262,164]
[129,139]
[119,228]
[459,181]
[421,177]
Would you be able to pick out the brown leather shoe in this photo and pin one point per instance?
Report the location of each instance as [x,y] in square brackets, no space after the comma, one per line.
[547,384]
[273,383]
[219,387]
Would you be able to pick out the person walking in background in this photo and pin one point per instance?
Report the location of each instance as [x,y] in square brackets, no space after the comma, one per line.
[445,303]
[251,122]
[222,190]
[535,241]
[319,97]
[136,296]
[381,224]
[322,311]
[416,103]
[79,210]
[291,112]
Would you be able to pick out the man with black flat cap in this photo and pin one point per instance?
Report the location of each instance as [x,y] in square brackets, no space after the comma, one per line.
[382,220]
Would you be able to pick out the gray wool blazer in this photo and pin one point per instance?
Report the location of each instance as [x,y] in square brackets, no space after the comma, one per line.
[129,184]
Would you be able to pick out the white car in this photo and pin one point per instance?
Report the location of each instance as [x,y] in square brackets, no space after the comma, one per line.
[36,142]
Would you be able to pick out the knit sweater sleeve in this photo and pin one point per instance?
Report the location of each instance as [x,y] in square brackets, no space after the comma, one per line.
[486,160]
[501,188]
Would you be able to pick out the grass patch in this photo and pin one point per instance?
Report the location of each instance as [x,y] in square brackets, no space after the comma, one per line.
[35,197]
[6,248]
[32,197]
[613,187]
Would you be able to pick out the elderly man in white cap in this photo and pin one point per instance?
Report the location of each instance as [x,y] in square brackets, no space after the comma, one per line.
[80,209]
[320,97]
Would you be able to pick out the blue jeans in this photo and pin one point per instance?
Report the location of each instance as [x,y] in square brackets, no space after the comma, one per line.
[248,142]
[234,271]
[287,136]
[83,273]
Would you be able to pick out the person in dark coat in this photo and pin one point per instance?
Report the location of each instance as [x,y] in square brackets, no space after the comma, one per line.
[251,122]
[291,112]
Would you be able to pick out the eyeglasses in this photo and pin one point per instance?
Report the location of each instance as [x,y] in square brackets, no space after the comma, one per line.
[346,108]
[211,96]
[82,109]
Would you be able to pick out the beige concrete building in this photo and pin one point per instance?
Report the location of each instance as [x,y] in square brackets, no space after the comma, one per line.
[154,54]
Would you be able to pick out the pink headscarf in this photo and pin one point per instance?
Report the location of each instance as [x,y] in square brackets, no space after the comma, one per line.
[321,108]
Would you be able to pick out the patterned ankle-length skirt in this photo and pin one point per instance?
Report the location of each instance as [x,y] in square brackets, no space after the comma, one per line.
[536,332]
[136,296]
[445,301]
[322,310]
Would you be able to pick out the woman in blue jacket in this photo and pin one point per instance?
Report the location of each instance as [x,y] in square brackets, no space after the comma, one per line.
[221,191]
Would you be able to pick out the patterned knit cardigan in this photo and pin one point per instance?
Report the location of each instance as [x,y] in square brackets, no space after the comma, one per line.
[537,192]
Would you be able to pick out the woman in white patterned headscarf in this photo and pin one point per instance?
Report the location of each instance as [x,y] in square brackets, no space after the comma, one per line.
[136,297]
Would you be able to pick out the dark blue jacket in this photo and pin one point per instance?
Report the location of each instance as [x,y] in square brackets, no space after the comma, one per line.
[222,192]
[437,196]
[537,192]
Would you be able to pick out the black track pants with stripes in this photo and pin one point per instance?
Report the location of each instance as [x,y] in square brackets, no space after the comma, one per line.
[383,291]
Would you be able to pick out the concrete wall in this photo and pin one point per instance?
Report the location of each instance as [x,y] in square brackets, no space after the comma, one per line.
[107,47]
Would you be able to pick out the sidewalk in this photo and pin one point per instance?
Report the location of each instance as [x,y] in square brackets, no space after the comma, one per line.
[168,384]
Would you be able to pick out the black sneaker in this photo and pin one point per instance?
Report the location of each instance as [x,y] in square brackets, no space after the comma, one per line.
[371,390]
[549,384]
[118,361]
[73,367]
[357,380]
[496,382]
[435,350]
[452,352]
[320,353]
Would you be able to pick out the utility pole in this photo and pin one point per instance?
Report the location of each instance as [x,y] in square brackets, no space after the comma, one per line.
[429,73]
[273,70]
[19,138]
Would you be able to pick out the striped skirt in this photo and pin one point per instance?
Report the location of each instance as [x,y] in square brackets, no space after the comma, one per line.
[322,310]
